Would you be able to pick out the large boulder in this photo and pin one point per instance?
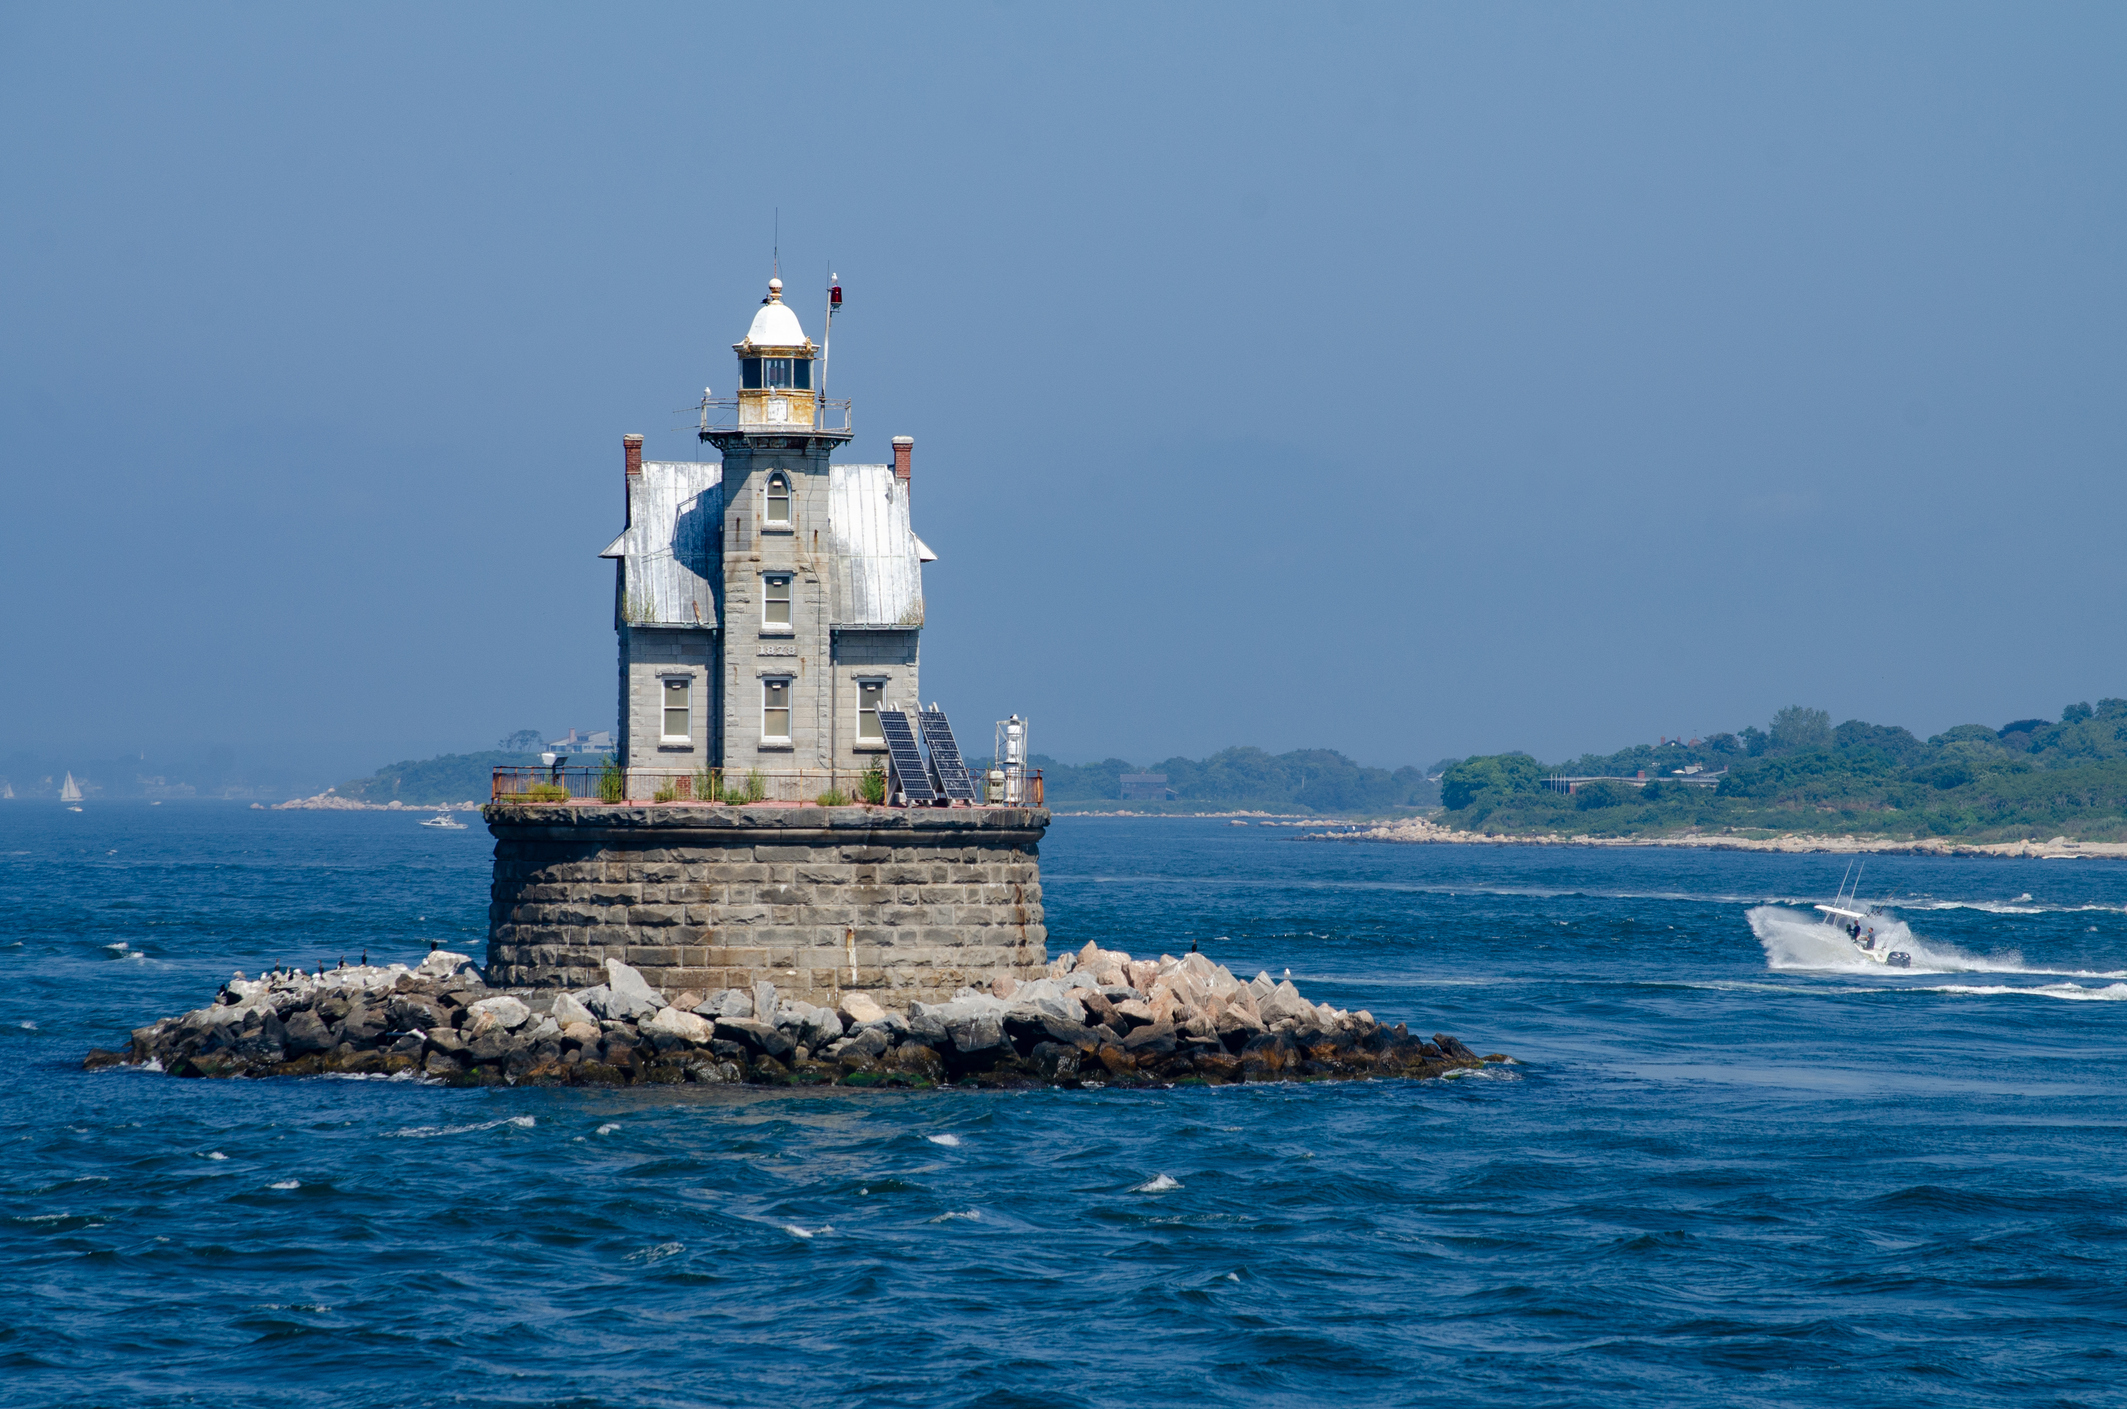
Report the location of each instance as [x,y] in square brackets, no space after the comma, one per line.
[306,1033]
[1271,1054]
[411,1012]
[1153,1037]
[858,1009]
[614,1006]
[976,1034]
[757,1037]
[1284,1004]
[504,1011]
[726,1003]
[680,1024]
[567,1010]
[622,979]
[442,963]
[814,1026]
[362,1026]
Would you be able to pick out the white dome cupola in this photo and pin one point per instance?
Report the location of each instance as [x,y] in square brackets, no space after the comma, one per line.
[776,325]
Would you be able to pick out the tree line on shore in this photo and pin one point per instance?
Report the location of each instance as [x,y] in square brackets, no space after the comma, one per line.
[2065,776]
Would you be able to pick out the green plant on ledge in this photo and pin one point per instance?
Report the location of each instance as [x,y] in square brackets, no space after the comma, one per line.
[833,797]
[668,793]
[872,786]
[546,792]
[709,785]
[612,783]
[756,786]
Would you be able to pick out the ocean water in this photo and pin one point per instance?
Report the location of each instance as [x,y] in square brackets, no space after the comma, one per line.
[1723,1169]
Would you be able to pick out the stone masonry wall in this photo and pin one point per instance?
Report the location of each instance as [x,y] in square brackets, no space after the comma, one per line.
[899,903]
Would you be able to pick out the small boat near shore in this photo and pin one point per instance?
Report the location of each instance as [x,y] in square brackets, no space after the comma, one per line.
[443,818]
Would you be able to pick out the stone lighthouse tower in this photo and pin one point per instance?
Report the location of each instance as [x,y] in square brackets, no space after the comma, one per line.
[768,605]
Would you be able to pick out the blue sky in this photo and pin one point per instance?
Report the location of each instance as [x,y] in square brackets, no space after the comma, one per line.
[1408,380]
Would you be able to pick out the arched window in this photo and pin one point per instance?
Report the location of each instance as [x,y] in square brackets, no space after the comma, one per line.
[778,498]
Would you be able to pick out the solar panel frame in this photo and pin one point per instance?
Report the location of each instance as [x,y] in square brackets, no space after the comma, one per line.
[949,773]
[911,778]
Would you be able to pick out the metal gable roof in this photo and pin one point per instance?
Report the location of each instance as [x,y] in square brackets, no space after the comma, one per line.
[671,544]
[877,560]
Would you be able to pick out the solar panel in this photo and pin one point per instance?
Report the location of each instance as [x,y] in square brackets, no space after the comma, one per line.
[948,771]
[909,774]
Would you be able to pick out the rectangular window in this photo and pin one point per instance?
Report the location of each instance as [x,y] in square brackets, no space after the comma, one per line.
[778,499]
[869,693]
[775,709]
[801,375]
[775,600]
[777,370]
[749,374]
[678,718]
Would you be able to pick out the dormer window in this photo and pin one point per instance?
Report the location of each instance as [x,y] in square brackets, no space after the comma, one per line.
[778,499]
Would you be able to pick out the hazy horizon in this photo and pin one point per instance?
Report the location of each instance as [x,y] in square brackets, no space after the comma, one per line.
[1407,381]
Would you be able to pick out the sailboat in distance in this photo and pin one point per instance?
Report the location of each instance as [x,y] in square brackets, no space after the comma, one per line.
[70,793]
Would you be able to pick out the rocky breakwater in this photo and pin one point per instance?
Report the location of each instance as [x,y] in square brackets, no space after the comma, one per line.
[1098,1017]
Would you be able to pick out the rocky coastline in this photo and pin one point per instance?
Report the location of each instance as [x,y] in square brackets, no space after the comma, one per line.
[1422,830]
[1096,1018]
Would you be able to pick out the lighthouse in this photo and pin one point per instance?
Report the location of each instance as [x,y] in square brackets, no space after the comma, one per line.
[768,602]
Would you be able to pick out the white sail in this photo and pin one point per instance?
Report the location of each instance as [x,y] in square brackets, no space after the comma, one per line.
[7,789]
[71,792]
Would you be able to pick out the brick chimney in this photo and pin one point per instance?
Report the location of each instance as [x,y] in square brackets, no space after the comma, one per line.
[904,446]
[632,451]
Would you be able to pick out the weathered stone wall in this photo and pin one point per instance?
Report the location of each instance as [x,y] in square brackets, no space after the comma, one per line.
[900,903]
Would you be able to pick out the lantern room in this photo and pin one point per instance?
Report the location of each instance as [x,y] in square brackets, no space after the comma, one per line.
[776,384]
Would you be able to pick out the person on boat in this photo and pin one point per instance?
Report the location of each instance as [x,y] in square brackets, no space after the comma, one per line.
[1870,942]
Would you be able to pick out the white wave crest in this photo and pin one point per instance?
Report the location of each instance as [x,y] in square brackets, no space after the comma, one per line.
[430,1132]
[2072,992]
[1795,940]
[943,1139]
[1159,1185]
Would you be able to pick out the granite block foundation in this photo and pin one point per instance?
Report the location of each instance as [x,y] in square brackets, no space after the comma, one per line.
[898,903]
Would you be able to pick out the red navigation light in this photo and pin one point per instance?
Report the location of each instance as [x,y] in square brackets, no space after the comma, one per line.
[834,296]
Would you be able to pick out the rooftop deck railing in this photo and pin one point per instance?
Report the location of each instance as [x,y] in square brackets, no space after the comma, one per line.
[710,787]
[721,413]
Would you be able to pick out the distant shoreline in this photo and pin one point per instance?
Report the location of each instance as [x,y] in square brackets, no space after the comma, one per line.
[1421,832]
[330,801]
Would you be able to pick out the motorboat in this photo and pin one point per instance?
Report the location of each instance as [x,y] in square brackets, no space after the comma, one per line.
[1860,923]
[443,818]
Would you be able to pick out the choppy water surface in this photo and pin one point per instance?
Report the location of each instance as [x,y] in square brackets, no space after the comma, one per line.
[1726,1170]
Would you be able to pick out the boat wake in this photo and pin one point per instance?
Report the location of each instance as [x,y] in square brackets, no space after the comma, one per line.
[2073,992]
[1795,940]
